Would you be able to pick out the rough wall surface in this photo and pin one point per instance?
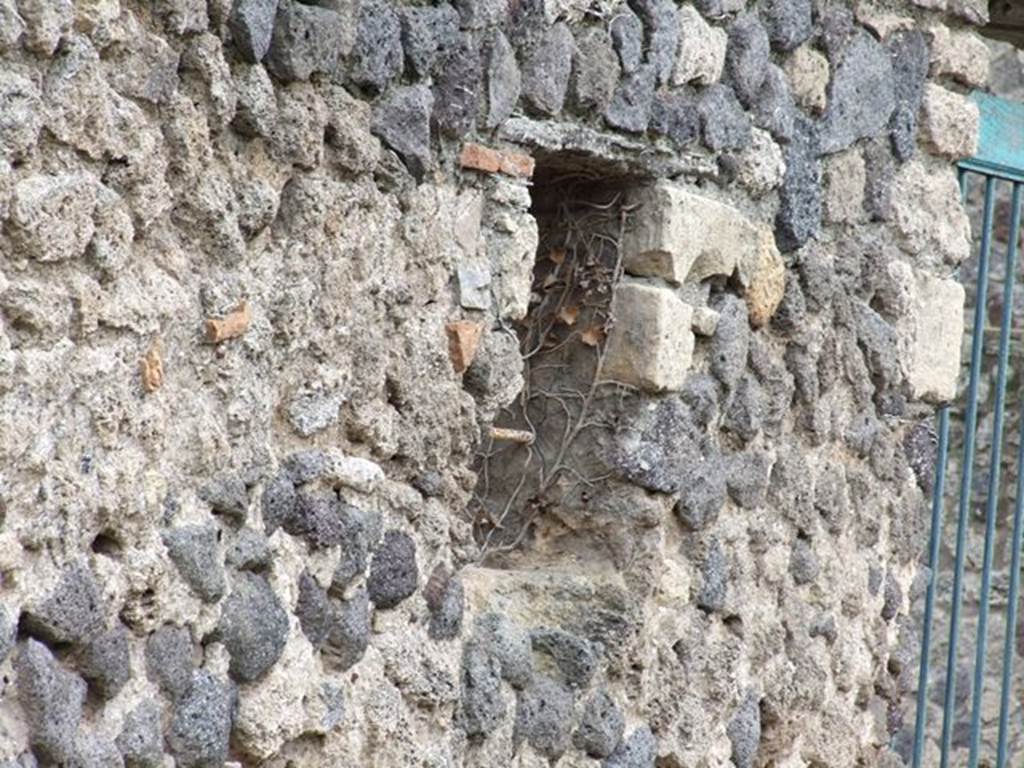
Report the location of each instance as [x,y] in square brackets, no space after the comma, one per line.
[265,271]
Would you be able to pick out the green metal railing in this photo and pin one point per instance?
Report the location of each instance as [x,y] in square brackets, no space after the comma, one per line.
[999,165]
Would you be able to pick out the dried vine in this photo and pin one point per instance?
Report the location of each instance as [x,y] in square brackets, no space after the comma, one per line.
[563,343]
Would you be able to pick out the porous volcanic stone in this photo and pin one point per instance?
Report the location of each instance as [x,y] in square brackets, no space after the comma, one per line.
[638,751]
[427,32]
[482,705]
[71,613]
[747,57]
[377,55]
[253,627]
[201,724]
[141,740]
[714,573]
[446,613]
[910,59]
[457,88]
[105,662]
[595,70]
[252,24]
[630,106]
[504,640]
[573,655]
[744,732]
[675,115]
[193,549]
[546,64]
[52,699]
[702,495]
[305,41]
[601,726]
[402,121]
[169,659]
[661,33]
[799,215]
[861,97]
[393,571]
[348,631]
[544,717]
[627,33]
[504,82]
[724,124]
[788,22]
[250,551]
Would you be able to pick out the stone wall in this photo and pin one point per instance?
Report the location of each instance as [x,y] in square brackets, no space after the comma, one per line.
[269,276]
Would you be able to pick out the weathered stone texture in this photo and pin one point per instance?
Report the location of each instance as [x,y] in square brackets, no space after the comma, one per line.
[931,334]
[949,123]
[651,343]
[701,56]
[472,383]
[678,235]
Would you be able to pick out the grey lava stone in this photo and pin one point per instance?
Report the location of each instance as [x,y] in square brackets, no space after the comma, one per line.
[71,613]
[201,724]
[141,740]
[394,575]
[194,550]
[52,699]
[253,627]
[169,659]
[602,726]
[105,662]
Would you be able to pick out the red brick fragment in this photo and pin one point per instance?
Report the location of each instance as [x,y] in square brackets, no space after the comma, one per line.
[463,339]
[477,157]
[480,158]
[517,164]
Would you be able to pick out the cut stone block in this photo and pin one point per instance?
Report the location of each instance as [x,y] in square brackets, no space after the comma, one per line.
[949,123]
[931,333]
[679,236]
[651,344]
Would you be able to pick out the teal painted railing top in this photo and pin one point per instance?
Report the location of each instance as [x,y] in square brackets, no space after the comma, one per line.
[1001,139]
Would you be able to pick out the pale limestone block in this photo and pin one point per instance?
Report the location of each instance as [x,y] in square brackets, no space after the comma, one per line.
[705,321]
[677,235]
[961,55]
[949,123]
[761,166]
[845,177]
[701,55]
[931,223]
[880,21]
[808,74]
[651,344]
[931,334]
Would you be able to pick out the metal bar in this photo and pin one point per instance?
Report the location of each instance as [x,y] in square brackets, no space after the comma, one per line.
[1015,541]
[991,501]
[938,493]
[1002,172]
[970,425]
[934,544]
